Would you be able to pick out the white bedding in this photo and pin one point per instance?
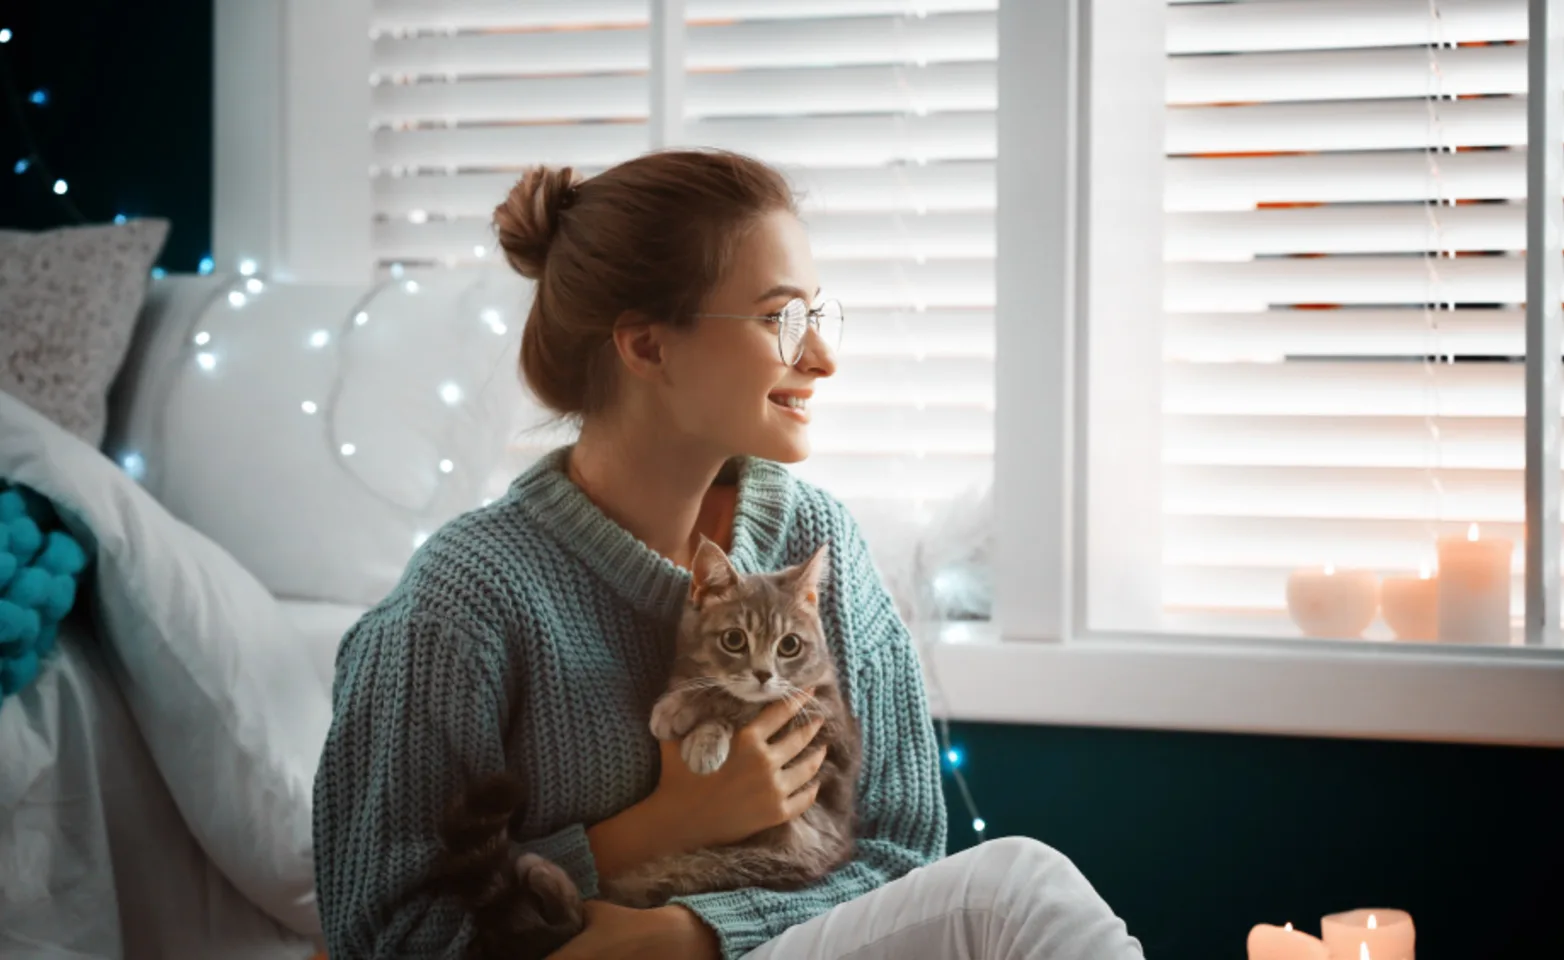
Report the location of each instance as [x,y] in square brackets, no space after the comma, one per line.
[95,859]
[230,698]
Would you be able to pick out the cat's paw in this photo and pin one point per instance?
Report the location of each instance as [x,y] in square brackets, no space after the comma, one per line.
[553,894]
[665,717]
[705,750]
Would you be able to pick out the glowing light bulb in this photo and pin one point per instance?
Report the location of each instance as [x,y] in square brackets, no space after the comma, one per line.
[978,826]
[347,449]
[319,339]
[309,407]
[447,466]
[450,393]
[206,266]
[60,187]
[953,756]
[410,286]
[491,316]
[5,35]
[159,273]
[360,318]
[237,299]
[247,267]
[206,361]
[135,466]
[39,97]
[21,166]
[120,218]
[254,286]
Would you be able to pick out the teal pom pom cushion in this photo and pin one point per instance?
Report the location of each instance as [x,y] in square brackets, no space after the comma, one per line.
[40,564]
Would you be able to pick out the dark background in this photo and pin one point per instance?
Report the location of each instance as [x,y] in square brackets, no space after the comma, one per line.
[1192,837]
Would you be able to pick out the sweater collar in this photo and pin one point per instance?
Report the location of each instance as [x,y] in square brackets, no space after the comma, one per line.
[646,579]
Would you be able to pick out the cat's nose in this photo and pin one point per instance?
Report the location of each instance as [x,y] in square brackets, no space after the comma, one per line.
[762,676]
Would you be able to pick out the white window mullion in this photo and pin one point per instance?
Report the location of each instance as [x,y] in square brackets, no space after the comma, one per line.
[1544,290]
[1035,304]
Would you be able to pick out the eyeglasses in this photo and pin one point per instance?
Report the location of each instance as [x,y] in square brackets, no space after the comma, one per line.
[794,321]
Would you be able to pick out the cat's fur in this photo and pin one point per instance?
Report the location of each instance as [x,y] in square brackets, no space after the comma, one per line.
[527,908]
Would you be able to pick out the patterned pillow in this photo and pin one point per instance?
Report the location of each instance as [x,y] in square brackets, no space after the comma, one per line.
[69,299]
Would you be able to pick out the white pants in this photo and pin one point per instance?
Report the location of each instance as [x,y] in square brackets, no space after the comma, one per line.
[1008,899]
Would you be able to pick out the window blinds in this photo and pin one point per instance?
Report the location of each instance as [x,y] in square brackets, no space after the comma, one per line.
[880,111]
[1344,240]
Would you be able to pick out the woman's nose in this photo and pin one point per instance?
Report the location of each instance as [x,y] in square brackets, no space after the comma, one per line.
[818,359]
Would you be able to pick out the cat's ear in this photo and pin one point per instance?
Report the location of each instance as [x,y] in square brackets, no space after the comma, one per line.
[712,576]
[809,575]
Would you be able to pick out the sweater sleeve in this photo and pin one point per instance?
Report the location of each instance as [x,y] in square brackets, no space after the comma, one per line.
[901,807]
[419,709]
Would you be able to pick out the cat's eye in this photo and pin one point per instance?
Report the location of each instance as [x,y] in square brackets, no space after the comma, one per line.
[790,646]
[734,641]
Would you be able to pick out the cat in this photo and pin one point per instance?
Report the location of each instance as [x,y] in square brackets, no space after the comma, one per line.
[743,641]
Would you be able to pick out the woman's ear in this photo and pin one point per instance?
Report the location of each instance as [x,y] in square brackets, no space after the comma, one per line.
[639,343]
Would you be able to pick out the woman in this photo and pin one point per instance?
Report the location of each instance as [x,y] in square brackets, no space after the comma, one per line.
[673,318]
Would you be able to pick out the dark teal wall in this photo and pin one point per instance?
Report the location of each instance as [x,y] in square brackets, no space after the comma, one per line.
[128,124]
[1192,837]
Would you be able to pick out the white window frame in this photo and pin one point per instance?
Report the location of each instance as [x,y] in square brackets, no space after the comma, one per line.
[1078,106]
[1074,273]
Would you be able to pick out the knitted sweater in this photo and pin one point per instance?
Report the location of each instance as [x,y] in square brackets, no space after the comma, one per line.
[534,635]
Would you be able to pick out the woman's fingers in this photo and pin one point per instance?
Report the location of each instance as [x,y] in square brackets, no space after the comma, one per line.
[805,770]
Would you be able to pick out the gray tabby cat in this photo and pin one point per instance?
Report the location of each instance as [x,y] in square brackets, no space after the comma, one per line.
[744,641]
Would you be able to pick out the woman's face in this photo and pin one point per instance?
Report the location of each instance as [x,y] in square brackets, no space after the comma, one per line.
[725,382]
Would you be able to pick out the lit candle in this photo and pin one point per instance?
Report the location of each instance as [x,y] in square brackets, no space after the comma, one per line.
[1284,943]
[1378,933]
[1327,602]
[1474,588]
[1410,605]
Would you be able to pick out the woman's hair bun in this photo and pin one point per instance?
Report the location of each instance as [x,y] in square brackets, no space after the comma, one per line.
[529,218]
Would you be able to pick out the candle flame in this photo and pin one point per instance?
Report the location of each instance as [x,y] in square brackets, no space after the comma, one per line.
[1287,927]
[1330,569]
[1363,951]
[1373,921]
[1471,532]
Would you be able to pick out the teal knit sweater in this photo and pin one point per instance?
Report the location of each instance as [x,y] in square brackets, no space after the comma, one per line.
[534,634]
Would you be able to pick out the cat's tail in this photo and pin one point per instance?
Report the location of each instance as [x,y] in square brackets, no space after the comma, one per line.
[522,907]
[721,868]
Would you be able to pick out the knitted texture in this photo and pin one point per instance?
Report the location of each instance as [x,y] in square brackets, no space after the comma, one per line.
[39,566]
[534,635]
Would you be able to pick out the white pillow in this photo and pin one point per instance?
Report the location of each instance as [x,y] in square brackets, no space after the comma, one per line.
[220,683]
[212,411]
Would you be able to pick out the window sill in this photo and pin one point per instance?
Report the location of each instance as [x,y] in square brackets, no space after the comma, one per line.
[1386,691]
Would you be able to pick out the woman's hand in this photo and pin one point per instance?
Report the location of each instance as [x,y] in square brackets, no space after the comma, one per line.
[620,933]
[753,789]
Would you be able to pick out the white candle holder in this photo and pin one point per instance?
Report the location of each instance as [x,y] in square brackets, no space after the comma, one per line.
[1332,604]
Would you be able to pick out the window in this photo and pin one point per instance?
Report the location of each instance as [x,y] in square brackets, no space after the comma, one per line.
[1344,338]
